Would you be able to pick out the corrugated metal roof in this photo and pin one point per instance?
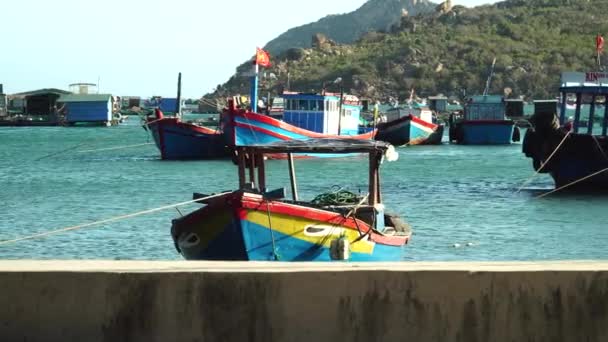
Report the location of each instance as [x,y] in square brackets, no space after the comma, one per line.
[85,98]
[486,99]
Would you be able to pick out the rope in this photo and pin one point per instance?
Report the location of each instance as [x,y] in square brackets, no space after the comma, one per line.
[114,148]
[62,151]
[112,219]
[544,163]
[337,197]
[274,247]
[570,184]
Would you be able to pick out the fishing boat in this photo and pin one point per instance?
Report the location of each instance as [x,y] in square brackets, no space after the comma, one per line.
[253,223]
[484,120]
[178,140]
[575,155]
[410,126]
[306,116]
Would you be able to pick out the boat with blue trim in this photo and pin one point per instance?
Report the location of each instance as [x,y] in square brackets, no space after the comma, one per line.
[253,223]
[305,116]
[410,126]
[484,122]
[178,140]
[575,155]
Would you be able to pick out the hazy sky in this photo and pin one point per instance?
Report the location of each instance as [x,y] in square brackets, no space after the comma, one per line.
[137,47]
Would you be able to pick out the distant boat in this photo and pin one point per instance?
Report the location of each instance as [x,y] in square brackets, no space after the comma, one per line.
[177,140]
[483,122]
[410,127]
[305,116]
[569,150]
[254,224]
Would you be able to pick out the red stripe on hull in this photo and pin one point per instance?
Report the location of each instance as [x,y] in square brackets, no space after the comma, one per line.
[283,125]
[423,123]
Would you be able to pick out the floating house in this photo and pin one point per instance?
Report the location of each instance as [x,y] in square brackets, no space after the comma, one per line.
[37,102]
[438,103]
[88,108]
[320,113]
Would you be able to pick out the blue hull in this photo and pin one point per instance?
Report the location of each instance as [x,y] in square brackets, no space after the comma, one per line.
[405,131]
[570,169]
[182,141]
[486,134]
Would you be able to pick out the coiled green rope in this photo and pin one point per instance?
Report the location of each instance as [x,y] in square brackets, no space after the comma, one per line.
[336,197]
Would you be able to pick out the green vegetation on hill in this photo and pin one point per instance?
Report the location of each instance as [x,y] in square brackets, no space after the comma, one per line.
[532,40]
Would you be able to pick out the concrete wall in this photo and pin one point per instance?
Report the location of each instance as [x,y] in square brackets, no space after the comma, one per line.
[193,301]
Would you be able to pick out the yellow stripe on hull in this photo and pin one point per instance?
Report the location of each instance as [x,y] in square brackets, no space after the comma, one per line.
[296,227]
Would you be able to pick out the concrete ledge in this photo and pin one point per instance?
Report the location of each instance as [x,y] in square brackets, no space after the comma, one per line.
[218,301]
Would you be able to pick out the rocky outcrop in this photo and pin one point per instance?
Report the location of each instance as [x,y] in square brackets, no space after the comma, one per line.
[374,15]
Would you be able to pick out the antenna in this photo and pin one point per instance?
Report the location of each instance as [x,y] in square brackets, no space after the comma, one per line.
[489,81]
[98,78]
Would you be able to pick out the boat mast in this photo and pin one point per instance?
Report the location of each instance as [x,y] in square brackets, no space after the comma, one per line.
[178,105]
[489,80]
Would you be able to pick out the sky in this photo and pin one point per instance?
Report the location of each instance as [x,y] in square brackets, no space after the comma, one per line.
[137,47]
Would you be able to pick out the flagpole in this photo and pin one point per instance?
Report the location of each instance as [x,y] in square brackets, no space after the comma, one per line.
[254,88]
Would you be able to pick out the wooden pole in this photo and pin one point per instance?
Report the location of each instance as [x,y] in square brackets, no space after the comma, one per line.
[241,165]
[252,169]
[292,177]
[340,109]
[261,173]
[372,180]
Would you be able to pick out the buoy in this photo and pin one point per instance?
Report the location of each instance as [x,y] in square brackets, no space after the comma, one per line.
[456,245]
[339,249]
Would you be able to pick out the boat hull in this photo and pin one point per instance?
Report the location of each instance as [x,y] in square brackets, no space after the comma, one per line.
[483,132]
[246,128]
[246,227]
[410,130]
[574,163]
[180,141]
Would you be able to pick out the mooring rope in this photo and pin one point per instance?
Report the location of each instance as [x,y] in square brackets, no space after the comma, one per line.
[544,163]
[114,148]
[571,184]
[63,151]
[112,219]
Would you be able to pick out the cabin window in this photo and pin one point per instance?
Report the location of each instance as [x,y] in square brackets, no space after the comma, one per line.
[303,105]
[320,105]
[314,106]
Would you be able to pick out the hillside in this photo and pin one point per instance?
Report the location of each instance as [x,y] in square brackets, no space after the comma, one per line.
[374,15]
[533,41]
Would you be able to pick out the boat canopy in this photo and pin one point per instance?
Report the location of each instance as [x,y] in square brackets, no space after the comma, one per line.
[322,145]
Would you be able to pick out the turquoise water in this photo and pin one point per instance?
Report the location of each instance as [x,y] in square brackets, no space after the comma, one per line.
[460,200]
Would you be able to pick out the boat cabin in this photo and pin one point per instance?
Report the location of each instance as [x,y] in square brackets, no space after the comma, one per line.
[485,108]
[438,103]
[590,90]
[320,112]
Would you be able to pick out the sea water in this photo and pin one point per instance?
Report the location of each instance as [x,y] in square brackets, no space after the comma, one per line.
[461,201]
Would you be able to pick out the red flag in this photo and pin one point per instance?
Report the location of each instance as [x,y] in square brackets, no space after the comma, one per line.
[262,58]
[599,43]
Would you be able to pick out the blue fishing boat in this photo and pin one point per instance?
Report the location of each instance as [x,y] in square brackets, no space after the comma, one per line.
[575,155]
[305,116]
[253,223]
[483,122]
[178,140]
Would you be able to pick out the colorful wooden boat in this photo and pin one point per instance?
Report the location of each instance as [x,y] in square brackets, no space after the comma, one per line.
[255,224]
[177,140]
[410,127]
[306,116]
[483,123]
[575,156]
